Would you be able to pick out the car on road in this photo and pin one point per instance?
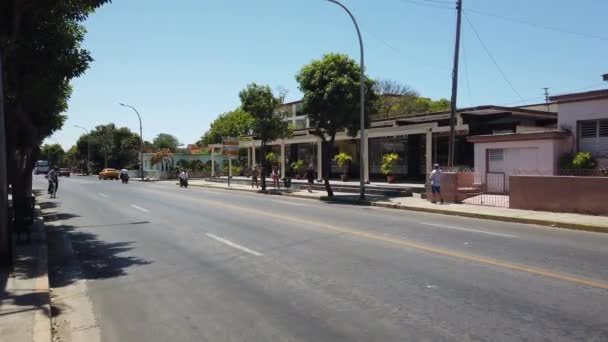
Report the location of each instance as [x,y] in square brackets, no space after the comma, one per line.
[42,166]
[108,174]
[64,172]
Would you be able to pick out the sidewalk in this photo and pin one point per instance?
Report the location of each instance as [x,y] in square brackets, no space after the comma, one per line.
[562,220]
[25,311]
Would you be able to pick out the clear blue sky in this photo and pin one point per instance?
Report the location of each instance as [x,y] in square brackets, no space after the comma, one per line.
[183,62]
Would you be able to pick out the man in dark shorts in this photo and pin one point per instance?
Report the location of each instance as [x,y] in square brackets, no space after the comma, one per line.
[435,179]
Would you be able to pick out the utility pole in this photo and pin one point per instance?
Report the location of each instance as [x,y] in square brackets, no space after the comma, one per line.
[455,84]
[547,98]
[88,148]
[6,256]
[141,143]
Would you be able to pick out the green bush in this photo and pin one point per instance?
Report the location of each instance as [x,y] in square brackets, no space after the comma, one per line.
[579,161]
[342,159]
[298,166]
[389,161]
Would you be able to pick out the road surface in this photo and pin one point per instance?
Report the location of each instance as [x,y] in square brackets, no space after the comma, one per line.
[168,264]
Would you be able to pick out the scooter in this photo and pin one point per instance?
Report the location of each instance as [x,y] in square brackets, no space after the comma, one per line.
[124,178]
[183,183]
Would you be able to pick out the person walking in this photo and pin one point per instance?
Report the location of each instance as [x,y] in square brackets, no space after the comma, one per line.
[435,179]
[254,176]
[310,177]
[275,177]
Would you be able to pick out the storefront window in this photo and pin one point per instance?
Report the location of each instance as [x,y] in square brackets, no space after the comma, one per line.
[382,146]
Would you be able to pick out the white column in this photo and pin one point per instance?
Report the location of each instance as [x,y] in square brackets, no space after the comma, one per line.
[212,161]
[365,152]
[230,166]
[282,159]
[429,151]
[320,159]
[253,154]
[249,156]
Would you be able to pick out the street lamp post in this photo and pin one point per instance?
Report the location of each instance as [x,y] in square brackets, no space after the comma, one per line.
[363,145]
[88,149]
[141,143]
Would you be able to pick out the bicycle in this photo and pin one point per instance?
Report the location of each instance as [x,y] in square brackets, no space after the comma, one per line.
[53,190]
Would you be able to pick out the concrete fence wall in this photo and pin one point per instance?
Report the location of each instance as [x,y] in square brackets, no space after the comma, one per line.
[451,182]
[585,195]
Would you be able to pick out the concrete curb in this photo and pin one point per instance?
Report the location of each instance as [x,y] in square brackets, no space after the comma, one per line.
[41,326]
[548,223]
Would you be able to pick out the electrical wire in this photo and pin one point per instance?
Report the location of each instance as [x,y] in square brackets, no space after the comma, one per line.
[466,69]
[536,25]
[504,76]
[428,4]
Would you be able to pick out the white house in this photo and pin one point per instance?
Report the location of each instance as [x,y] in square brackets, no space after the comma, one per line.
[586,116]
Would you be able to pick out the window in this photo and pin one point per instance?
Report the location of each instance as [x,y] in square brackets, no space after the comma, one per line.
[593,137]
[496,155]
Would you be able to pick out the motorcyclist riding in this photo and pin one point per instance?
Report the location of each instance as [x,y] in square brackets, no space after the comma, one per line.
[53,177]
[124,175]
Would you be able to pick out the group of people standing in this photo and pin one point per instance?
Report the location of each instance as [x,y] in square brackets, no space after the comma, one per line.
[276,177]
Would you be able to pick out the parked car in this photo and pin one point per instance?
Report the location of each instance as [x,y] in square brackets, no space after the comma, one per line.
[64,172]
[42,166]
[108,174]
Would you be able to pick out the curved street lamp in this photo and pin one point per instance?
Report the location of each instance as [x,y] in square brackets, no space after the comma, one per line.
[362,144]
[88,148]
[141,137]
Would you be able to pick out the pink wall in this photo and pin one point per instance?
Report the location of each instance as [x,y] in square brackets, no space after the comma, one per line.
[571,112]
[585,195]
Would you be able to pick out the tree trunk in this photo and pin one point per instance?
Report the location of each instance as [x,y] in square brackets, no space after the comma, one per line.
[327,150]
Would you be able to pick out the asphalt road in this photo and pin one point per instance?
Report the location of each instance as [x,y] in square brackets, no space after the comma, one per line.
[170,264]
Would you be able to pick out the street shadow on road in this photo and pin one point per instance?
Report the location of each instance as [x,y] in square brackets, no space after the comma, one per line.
[54,216]
[98,259]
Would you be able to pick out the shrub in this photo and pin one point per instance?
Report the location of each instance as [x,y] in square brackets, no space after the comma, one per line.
[389,161]
[298,166]
[579,161]
[342,159]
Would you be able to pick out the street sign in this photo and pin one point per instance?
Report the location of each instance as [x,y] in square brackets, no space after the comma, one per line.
[230,146]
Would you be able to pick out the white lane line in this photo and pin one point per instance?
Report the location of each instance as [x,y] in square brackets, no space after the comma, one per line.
[469,230]
[140,208]
[234,245]
[102,195]
[288,203]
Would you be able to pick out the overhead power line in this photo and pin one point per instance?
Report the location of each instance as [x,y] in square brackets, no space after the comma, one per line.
[504,76]
[533,24]
[430,4]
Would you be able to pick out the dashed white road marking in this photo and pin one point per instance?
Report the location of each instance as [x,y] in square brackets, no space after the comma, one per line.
[468,230]
[288,203]
[234,245]
[102,195]
[140,208]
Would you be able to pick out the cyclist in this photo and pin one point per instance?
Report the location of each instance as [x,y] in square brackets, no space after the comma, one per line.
[53,177]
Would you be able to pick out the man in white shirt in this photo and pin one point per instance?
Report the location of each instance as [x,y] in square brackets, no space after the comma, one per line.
[435,179]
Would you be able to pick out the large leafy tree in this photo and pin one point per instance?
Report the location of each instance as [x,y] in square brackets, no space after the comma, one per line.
[332,101]
[53,153]
[165,141]
[397,99]
[268,122]
[110,147]
[40,50]
[231,124]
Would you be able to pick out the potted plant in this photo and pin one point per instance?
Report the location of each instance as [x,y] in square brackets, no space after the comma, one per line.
[298,167]
[389,162]
[342,160]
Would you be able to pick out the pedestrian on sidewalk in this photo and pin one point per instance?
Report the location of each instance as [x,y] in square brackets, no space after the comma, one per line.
[254,176]
[275,177]
[310,177]
[435,179]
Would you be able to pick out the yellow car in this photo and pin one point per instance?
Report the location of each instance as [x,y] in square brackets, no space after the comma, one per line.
[108,174]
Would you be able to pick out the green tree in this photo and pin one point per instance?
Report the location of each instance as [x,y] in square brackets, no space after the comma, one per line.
[111,147]
[165,141]
[231,124]
[41,53]
[73,158]
[331,100]
[53,153]
[268,122]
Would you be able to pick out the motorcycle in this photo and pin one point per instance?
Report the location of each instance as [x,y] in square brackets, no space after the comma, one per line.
[183,183]
[124,178]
